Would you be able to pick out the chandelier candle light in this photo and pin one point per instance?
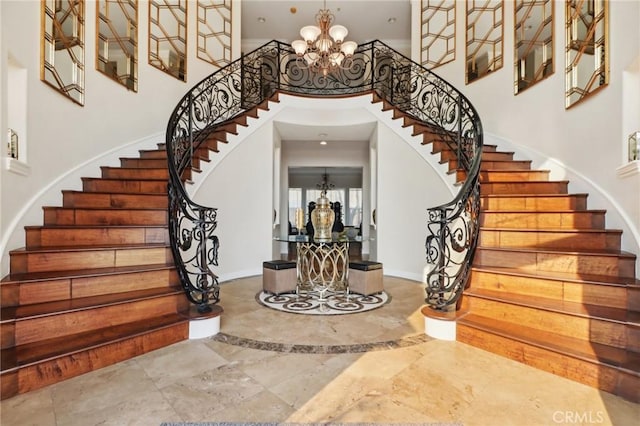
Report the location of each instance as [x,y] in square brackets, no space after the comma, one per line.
[323,48]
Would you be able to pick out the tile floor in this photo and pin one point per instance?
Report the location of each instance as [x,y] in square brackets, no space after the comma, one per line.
[418,381]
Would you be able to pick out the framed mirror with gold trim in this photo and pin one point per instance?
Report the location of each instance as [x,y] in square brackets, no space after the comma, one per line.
[117,41]
[484,38]
[587,49]
[533,38]
[62,47]
[438,32]
[168,36]
[214,31]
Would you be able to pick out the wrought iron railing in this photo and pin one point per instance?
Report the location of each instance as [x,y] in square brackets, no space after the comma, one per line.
[259,75]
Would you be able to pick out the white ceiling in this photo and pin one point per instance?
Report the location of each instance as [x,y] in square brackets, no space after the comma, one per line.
[366,20]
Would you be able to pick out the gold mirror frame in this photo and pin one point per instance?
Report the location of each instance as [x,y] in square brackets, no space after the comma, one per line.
[484,38]
[587,49]
[62,47]
[214,31]
[117,41]
[168,37]
[438,32]
[533,42]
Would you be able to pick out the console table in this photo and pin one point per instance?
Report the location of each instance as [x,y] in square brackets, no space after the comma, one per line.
[322,266]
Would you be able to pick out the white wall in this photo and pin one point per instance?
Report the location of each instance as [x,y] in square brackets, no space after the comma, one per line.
[407,187]
[586,143]
[63,136]
[241,188]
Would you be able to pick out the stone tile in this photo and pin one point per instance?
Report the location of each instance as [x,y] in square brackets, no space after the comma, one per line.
[203,396]
[264,407]
[184,359]
[274,369]
[32,409]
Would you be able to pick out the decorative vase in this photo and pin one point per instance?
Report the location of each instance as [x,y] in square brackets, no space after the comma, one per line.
[322,218]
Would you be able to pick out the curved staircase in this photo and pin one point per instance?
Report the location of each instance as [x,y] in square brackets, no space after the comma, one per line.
[96,283]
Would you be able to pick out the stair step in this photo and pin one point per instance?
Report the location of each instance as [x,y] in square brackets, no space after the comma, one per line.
[143,163]
[134,173]
[110,216]
[512,175]
[73,258]
[534,202]
[582,219]
[40,287]
[36,322]
[521,188]
[600,366]
[577,288]
[130,186]
[32,366]
[111,199]
[603,262]
[81,235]
[439,146]
[153,153]
[448,155]
[567,239]
[590,323]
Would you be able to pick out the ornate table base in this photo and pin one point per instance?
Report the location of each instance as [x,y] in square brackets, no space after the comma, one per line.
[323,267]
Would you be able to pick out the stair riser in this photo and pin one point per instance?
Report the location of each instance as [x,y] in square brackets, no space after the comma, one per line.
[66,324]
[95,200]
[58,216]
[557,262]
[543,220]
[597,376]
[533,175]
[55,370]
[593,294]
[51,237]
[569,202]
[118,173]
[519,188]
[442,146]
[125,186]
[89,259]
[154,154]
[147,163]
[555,240]
[486,156]
[25,293]
[584,328]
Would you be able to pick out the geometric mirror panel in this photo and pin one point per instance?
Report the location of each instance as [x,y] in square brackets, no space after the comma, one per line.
[117,41]
[438,26]
[533,38]
[484,41]
[214,31]
[168,36]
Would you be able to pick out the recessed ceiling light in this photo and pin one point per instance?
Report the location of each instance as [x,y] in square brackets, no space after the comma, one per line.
[391,20]
[323,142]
[262,19]
[322,135]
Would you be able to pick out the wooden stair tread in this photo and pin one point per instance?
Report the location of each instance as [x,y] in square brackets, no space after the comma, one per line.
[599,252]
[559,306]
[554,230]
[561,276]
[30,353]
[576,348]
[110,208]
[22,312]
[545,211]
[84,226]
[539,195]
[81,273]
[88,248]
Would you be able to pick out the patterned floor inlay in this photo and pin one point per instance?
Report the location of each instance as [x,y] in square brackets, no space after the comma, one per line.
[310,304]
[321,349]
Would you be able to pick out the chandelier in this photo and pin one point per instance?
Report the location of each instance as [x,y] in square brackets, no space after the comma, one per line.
[323,48]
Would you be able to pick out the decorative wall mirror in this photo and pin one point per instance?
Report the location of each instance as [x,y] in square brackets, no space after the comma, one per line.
[168,36]
[214,31]
[533,38]
[587,49]
[62,65]
[117,41]
[484,40]
[438,39]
